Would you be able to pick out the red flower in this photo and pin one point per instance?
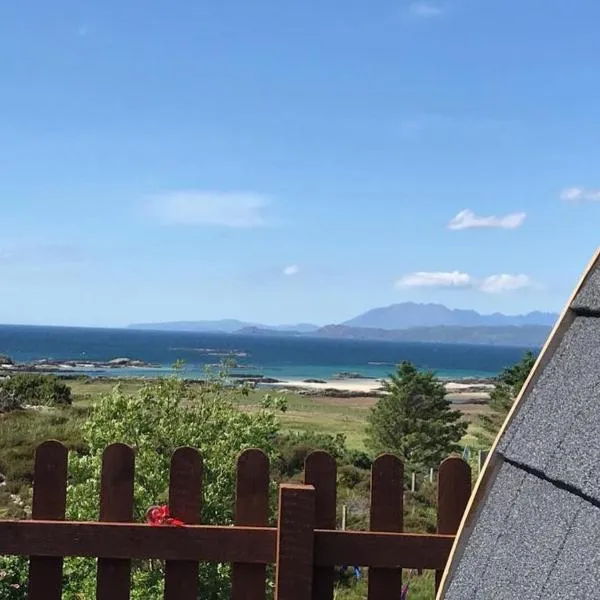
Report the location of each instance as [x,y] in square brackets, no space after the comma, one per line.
[159,515]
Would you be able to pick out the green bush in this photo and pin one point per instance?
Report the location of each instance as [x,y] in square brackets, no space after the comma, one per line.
[360,459]
[8,402]
[350,476]
[13,577]
[294,446]
[161,417]
[20,433]
[35,389]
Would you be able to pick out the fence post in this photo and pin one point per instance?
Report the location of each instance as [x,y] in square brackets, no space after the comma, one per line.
[481,460]
[185,503]
[295,542]
[113,580]
[49,503]
[454,490]
[320,471]
[248,582]
[387,506]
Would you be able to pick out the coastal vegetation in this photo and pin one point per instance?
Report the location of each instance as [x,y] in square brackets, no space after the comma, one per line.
[30,389]
[507,387]
[414,420]
[155,416]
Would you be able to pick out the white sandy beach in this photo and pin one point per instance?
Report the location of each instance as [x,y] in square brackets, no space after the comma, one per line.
[369,386]
[366,386]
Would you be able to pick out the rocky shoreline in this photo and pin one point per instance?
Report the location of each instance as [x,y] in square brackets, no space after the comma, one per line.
[342,384]
[47,365]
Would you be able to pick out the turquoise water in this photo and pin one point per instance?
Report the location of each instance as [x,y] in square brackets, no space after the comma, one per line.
[278,357]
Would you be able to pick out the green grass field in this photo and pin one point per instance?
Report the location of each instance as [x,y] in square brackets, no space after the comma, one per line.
[326,415]
[22,431]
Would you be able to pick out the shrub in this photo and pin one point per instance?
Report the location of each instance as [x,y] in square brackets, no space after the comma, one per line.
[294,447]
[360,459]
[8,401]
[36,389]
[162,416]
[350,476]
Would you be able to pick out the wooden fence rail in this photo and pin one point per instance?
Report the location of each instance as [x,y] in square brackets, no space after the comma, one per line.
[305,547]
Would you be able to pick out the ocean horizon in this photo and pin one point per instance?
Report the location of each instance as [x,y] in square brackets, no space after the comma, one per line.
[285,358]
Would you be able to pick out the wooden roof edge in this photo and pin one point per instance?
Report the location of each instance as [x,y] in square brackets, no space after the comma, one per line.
[494,461]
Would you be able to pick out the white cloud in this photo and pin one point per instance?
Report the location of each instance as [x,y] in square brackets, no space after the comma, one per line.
[226,209]
[493,284]
[291,270]
[424,10]
[497,284]
[579,193]
[467,219]
[434,279]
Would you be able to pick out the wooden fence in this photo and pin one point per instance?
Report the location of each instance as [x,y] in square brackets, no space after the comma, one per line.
[304,547]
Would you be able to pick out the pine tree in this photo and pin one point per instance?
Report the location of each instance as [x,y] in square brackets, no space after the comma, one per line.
[414,420]
[508,386]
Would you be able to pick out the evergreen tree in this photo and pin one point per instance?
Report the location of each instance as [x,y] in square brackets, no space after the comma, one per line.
[414,420]
[508,385]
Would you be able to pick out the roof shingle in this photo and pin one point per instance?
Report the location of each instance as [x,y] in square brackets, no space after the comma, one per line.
[536,531]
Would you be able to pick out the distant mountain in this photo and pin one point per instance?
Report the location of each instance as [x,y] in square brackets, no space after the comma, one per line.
[407,321]
[525,335]
[410,314]
[299,328]
[222,326]
[273,332]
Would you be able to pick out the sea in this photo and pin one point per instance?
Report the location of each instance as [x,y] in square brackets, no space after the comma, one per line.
[285,358]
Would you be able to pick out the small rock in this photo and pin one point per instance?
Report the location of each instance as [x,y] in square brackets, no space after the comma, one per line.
[6,361]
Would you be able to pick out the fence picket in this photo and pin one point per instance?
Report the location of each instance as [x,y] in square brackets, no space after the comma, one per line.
[305,546]
[387,502]
[248,582]
[116,505]
[295,542]
[49,503]
[320,471]
[454,490]
[185,504]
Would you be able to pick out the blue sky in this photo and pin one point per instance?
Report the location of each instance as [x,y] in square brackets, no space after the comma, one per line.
[283,162]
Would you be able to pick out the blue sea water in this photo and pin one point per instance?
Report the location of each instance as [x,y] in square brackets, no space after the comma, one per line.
[278,357]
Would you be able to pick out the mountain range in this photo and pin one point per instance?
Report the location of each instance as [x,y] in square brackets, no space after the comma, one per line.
[411,314]
[223,326]
[407,321]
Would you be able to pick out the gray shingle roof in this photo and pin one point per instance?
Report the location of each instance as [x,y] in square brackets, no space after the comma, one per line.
[533,529]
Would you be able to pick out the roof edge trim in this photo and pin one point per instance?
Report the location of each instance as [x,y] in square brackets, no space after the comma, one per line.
[494,459]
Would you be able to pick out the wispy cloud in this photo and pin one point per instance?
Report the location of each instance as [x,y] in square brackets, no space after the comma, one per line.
[467,219]
[225,209]
[493,284]
[424,10]
[291,270]
[580,194]
[497,284]
[435,279]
